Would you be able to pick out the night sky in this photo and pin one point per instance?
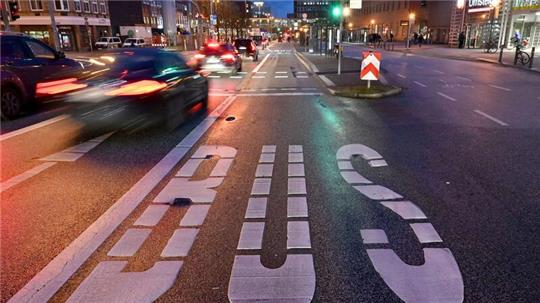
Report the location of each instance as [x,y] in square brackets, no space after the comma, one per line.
[280,8]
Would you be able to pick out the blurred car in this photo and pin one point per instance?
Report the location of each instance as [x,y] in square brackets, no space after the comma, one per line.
[247,47]
[132,88]
[108,42]
[216,57]
[27,67]
[134,42]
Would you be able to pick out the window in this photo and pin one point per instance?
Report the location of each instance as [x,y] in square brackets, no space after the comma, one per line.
[102,8]
[94,7]
[77,4]
[86,6]
[12,49]
[40,50]
[36,5]
[61,5]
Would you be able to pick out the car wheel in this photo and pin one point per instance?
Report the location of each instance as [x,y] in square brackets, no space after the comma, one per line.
[11,103]
[239,69]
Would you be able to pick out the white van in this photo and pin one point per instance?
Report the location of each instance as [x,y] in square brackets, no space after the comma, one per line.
[108,42]
[134,42]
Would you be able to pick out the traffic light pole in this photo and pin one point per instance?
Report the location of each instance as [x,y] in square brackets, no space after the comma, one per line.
[5,18]
[53,26]
[339,39]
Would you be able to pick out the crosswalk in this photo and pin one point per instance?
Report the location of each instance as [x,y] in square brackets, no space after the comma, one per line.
[263,75]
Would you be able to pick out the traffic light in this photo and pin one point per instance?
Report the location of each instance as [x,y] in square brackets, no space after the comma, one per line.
[336,11]
[14,10]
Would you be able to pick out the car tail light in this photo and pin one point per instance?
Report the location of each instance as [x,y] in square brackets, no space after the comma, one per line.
[213,45]
[199,56]
[228,57]
[138,88]
[58,86]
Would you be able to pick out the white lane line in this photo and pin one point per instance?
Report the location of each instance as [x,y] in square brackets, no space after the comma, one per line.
[297,207]
[267,158]
[289,89]
[261,73]
[32,127]
[268,149]
[327,81]
[261,186]
[180,243]
[258,77]
[189,168]
[296,186]
[405,209]
[463,78]
[377,192]
[491,117]
[425,232]
[281,72]
[130,242]
[279,94]
[258,67]
[195,216]
[374,236]
[236,77]
[314,88]
[73,153]
[222,168]
[251,236]
[446,96]
[25,176]
[421,84]
[249,90]
[264,170]
[51,278]
[298,235]
[281,77]
[302,77]
[295,148]
[152,215]
[438,72]
[296,170]
[401,76]
[301,72]
[267,89]
[256,208]
[353,177]
[214,76]
[500,87]
[296,157]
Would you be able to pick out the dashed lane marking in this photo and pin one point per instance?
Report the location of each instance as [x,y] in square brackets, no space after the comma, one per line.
[214,76]
[281,72]
[297,207]
[130,242]
[281,77]
[420,84]
[463,78]
[264,170]
[32,127]
[51,278]
[259,77]
[298,234]
[446,96]
[180,243]
[251,235]
[237,77]
[401,76]
[258,67]
[25,176]
[261,73]
[438,72]
[327,81]
[302,77]
[152,215]
[500,87]
[195,215]
[288,89]
[261,186]
[425,232]
[256,208]
[490,117]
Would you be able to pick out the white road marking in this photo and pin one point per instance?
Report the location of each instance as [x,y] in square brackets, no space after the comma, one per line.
[261,186]
[437,280]
[130,242]
[374,236]
[327,81]
[425,232]
[297,207]
[279,94]
[491,117]
[401,76]
[222,168]
[301,72]
[500,87]
[296,170]
[310,88]
[32,127]
[298,235]
[347,151]
[264,170]
[249,90]
[405,209]
[281,72]
[75,152]
[289,89]
[302,77]
[189,168]
[51,278]
[269,149]
[296,186]
[421,84]
[198,191]
[267,89]
[214,76]
[256,208]
[251,236]
[25,176]
[180,243]
[258,77]
[377,192]
[281,77]
[295,148]
[438,72]
[446,96]
[296,157]
[258,67]
[63,157]
[377,163]
[195,216]
[463,78]
[353,177]
[242,73]
[262,73]
[294,281]
[267,158]
[214,150]
[108,282]
[236,77]
[152,215]
[345,165]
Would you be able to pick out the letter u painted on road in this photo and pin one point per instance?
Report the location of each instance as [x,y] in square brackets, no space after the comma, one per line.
[439,278]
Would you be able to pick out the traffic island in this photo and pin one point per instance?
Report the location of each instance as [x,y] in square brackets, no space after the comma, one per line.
[376,91]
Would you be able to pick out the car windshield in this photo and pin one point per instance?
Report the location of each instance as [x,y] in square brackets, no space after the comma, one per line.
[103,39]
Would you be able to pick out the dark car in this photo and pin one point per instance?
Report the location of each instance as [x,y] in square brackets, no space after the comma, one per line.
[27,63]
[132,88]
[247,47]
[219,57]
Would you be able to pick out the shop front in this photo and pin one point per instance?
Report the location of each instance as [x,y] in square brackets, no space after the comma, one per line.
[526,22]
[482,23]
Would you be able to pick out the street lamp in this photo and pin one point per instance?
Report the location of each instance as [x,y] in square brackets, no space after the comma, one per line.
[259,4]
[411,20]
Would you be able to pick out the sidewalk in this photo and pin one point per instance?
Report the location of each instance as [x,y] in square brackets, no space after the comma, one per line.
[465,54]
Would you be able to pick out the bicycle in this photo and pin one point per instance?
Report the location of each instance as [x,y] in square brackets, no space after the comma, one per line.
[521,56]
[491,47]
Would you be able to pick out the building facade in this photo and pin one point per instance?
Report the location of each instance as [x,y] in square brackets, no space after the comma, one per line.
[80,22]
[311,9]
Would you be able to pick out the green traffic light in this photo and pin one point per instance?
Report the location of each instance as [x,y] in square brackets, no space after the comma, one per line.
[336,11]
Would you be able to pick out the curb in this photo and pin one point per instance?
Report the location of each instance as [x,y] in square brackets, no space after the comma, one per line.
[394,91]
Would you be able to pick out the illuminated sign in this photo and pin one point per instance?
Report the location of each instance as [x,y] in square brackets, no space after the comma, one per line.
[479,3]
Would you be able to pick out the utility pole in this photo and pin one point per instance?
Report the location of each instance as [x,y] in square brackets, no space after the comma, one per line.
[339,40]
[5,17]
[53,26]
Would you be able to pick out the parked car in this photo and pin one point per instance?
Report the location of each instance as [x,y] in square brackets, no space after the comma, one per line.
[216,57]
[108,42]
[247,48]
[28,67]
[138,87]
[134,42]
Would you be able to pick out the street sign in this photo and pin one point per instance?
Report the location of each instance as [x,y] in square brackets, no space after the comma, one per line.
[370,66]
[213,19]
[356,4]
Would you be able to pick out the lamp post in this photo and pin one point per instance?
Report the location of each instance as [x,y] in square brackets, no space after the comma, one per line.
[344,11]
[259,4]
[411,20]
